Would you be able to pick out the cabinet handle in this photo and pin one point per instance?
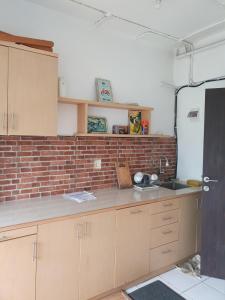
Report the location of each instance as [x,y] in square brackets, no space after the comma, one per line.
[167,251]
[135,212]
[167,218]
[34,258]
[87,229]
[4,121]
[10,116]
[80,231]
[13,121]
[168,205]
[167,232]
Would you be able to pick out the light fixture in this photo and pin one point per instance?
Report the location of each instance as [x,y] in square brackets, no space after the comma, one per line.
[157,4]
[103,19]
[222,2]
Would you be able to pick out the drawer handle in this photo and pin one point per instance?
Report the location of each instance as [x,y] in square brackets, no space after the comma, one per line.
[167,251]
[135,212]
[167,218]
[3,238]
[168,205]
[167,232]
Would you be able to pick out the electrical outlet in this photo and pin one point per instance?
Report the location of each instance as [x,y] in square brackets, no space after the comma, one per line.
[97,164]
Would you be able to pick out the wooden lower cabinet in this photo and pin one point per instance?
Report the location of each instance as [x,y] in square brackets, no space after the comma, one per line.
[80,258]
[97,261]
[18,268]
[177,241]
[58,260]
[132,243]
[188,228]
[76,258]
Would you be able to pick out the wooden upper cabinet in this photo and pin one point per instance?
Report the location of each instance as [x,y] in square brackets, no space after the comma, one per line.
[132,243]
[58,260]
[18,268]
[3,88]
[97,265]
[32,93]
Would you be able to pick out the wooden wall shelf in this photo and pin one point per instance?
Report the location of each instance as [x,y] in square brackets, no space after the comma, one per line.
[82,115]
[124,135]
[112,105]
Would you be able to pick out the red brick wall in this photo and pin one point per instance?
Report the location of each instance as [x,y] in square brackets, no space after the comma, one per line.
[42,166]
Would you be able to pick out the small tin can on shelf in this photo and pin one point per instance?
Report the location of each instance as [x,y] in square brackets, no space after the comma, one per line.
[119,129]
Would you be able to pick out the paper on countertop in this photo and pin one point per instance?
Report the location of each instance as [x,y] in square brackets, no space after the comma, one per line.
[80,196]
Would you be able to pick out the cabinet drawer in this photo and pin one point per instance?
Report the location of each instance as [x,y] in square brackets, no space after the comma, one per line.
[164,235]
[166,205]
[17,233]
[163,256]
[165,218]
[135,210]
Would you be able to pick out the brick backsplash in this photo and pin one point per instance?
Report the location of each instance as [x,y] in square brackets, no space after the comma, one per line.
[42,166]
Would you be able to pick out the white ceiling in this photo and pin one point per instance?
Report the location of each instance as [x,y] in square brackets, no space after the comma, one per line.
[176,17]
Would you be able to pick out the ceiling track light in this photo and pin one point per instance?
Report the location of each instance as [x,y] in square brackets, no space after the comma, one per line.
[221,2]
[148,30]
[104,18]
[158,4]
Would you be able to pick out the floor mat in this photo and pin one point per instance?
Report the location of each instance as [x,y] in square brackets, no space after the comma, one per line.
[156,290]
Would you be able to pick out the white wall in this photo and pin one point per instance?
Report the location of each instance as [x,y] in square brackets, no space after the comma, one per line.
[191,133]
[135,68]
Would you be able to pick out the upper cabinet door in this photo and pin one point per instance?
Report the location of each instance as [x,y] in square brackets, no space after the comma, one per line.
[3,88]
[32,93]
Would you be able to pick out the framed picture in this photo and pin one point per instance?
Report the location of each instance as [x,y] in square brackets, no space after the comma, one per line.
[103,90]
[97,124]
[135,122]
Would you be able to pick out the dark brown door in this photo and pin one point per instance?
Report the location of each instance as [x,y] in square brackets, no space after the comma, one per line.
[213,199]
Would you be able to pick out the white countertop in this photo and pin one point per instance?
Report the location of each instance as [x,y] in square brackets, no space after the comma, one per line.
[38,209]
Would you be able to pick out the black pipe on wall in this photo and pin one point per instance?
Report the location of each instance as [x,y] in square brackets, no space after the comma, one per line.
[175,107]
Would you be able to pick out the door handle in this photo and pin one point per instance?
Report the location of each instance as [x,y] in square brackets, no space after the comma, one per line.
[207,179]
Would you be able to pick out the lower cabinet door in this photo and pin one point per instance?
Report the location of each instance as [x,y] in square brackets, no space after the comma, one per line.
[132,243]
[97,264]
[58,260]
[18,268]
[188,226]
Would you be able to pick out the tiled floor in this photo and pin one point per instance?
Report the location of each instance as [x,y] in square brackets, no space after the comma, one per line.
[191,288]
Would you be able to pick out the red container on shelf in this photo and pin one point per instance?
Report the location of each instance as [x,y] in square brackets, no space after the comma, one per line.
[145,126]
